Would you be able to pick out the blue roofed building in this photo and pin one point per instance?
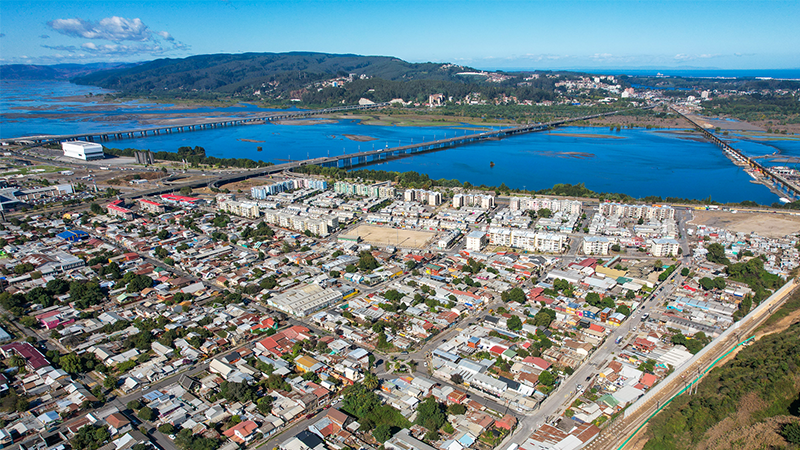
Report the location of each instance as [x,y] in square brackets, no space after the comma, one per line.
[73,235]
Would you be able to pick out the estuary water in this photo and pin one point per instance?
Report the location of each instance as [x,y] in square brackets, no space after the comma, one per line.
[637,162]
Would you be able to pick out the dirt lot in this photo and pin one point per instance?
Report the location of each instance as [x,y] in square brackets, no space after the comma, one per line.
[391,236]
[765,224]
[245,185]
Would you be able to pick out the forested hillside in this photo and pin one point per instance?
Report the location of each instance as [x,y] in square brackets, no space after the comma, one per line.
[314,78]
[751,402]
[232,73]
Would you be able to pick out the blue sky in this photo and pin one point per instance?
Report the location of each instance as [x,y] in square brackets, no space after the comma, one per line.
[549,34]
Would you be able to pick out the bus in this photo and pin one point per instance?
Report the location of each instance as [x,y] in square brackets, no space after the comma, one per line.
[619,339]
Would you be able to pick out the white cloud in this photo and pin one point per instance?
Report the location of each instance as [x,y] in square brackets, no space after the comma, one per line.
[117,30]
[110,28]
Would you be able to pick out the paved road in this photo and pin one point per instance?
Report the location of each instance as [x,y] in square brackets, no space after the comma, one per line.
[560,399]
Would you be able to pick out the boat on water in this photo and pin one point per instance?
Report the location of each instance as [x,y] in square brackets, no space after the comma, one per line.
[784,200]
[491,163]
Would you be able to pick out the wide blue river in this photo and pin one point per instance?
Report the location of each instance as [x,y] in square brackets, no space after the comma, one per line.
[637,162]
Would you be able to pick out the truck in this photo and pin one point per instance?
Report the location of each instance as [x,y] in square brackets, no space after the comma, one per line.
[513,447]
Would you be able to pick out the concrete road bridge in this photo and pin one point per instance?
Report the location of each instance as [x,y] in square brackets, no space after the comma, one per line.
[365,158]
[101,136]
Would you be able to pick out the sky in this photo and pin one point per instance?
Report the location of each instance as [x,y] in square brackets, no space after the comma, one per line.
[547,34]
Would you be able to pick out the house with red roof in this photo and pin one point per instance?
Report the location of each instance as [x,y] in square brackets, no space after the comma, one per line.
[508,422]
[497,350]
[264,325]
[242,432]
[648,380]
[34,359]
[537,362]
[644,345]
[456,397]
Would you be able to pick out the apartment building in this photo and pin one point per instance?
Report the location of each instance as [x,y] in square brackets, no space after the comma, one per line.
[244,209]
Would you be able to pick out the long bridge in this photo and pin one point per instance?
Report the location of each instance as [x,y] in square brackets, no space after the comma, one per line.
[196,125]
[351,160]
[739,158]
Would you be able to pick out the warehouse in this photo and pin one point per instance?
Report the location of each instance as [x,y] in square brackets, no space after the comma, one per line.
[86,151]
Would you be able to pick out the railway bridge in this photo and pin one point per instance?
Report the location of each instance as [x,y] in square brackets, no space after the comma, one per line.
[739,158]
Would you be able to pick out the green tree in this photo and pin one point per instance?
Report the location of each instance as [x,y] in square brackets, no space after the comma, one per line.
[186,190]
[544,317]
[791,432]
[514,323]
[716,254]
[457,409]
[513,295]
[371,381]
[146,414]
[110,382]
[382,433]
[547,378]
[134,405]
[431,414]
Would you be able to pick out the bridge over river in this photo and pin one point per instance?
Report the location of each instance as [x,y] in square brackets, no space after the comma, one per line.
[193,126]
[351,160]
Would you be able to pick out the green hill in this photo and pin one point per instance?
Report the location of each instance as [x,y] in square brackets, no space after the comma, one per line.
[307,76]
[231,73]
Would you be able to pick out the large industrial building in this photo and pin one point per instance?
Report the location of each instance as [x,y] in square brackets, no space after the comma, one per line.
[304,300]
[86,151]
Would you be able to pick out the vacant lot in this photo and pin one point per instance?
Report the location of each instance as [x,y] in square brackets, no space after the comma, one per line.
[383,236]
[765,224]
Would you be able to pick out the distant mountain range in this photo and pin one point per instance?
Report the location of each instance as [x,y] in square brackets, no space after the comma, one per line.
[54,72]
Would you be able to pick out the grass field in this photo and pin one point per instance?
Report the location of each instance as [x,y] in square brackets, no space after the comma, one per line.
[383,236]
[27,170]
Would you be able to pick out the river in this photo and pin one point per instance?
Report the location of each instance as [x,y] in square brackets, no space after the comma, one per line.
[637,162]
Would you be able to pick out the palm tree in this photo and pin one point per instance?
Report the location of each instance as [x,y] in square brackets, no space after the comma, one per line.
[371,382]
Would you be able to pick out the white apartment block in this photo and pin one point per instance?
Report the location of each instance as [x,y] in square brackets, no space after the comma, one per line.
[596,245]
[379,190]
[476,240]
[477,200]
[244,209]
[262,192]
[528,239]
[318,224]
[645,212]
[431,198]
[664,247]
[553,204]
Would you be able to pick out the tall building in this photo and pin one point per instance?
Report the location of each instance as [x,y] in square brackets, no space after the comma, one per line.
[596,245]
[476,240]
[664,247]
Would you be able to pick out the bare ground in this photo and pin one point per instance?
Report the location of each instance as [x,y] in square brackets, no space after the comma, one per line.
[765,224]
[393,236]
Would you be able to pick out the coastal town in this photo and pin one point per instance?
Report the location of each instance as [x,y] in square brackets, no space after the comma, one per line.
[305,313]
